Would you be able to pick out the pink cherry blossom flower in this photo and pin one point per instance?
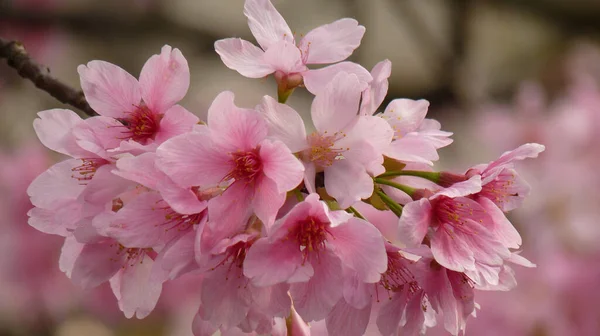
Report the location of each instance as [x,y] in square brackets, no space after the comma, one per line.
[309,247]
[280,54]
[128,269]
[500,182]
[459,229]
[229,299]
[144,111]
[234,150]
[416,139]
[347,147]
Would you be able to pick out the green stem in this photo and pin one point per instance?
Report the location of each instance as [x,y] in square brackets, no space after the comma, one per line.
[395,207]
[431,176]
[283,95]
[298,195]
[355,212]
[398,186]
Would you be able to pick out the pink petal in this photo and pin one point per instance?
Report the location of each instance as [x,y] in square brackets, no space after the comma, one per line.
[316,80]
[347,320]
[267,201]
[298,326]
[177,120]
[164,79]
[374,95]
[55,187]
[385,221]
[529,150]
[414,222]
[412,148]
[284,56]
[182,200]
[503,229]
[332,42]
[99,134]
[266,24]
[243,57]
[140,169]
[142,222]
[234,128]
[465,188]
[268,264]
[225,296]
[176,258]
[139,294]
[62,221]
[202,327]
[390,314]
[359,246]
[54,129]
[69,253]
[280,165]
[285,124]
[96,264]
[310,172]
[348,182]
[336,108]
[405,115]
[110,90]
[451,251]
[105,186]
[314,299]
[183,156]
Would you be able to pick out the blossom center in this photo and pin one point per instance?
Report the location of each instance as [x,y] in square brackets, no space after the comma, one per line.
[86,171]
[246,166]
[179,222]
[397,274]
[499,189]
[142,124]
[311,235]
[321,149]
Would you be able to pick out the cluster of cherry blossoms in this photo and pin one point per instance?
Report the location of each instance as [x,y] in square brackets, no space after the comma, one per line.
[337,226]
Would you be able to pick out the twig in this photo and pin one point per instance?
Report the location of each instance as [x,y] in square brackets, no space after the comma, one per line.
[18,58]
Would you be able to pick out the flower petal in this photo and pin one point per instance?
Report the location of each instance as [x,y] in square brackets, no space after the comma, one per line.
[316,80]
[266,24]
[183,156]
[110,90]
[285,124]
[280,165]
[164,79]
[243,57]
[284,56]
[359,246]
[332,42]
[414,222]
[234,128]
[177,120]
[348,182]
[54,128]
[268,264]
[336,108]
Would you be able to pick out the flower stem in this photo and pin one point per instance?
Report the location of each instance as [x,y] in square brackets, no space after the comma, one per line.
[410,191]
[431,176]
[355,212]
[395,207]
[283,95]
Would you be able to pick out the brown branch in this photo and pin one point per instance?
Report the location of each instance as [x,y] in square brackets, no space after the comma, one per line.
[17,58]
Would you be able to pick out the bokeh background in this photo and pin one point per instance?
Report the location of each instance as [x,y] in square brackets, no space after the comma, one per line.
[498,73]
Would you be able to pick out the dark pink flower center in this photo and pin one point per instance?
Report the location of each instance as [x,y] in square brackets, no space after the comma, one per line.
[500,189]
[456,211]
[311,235]
[85,172]
[321,149]
[132,256]
[142,124]
[246,166]
[397,275]
[235,256]
[179,222]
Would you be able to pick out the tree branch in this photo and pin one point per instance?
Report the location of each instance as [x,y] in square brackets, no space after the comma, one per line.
[17,58]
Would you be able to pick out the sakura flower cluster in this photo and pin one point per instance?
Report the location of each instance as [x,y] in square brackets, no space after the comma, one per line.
[334,225]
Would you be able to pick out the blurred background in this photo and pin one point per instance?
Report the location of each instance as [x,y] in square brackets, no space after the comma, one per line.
[498,73]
